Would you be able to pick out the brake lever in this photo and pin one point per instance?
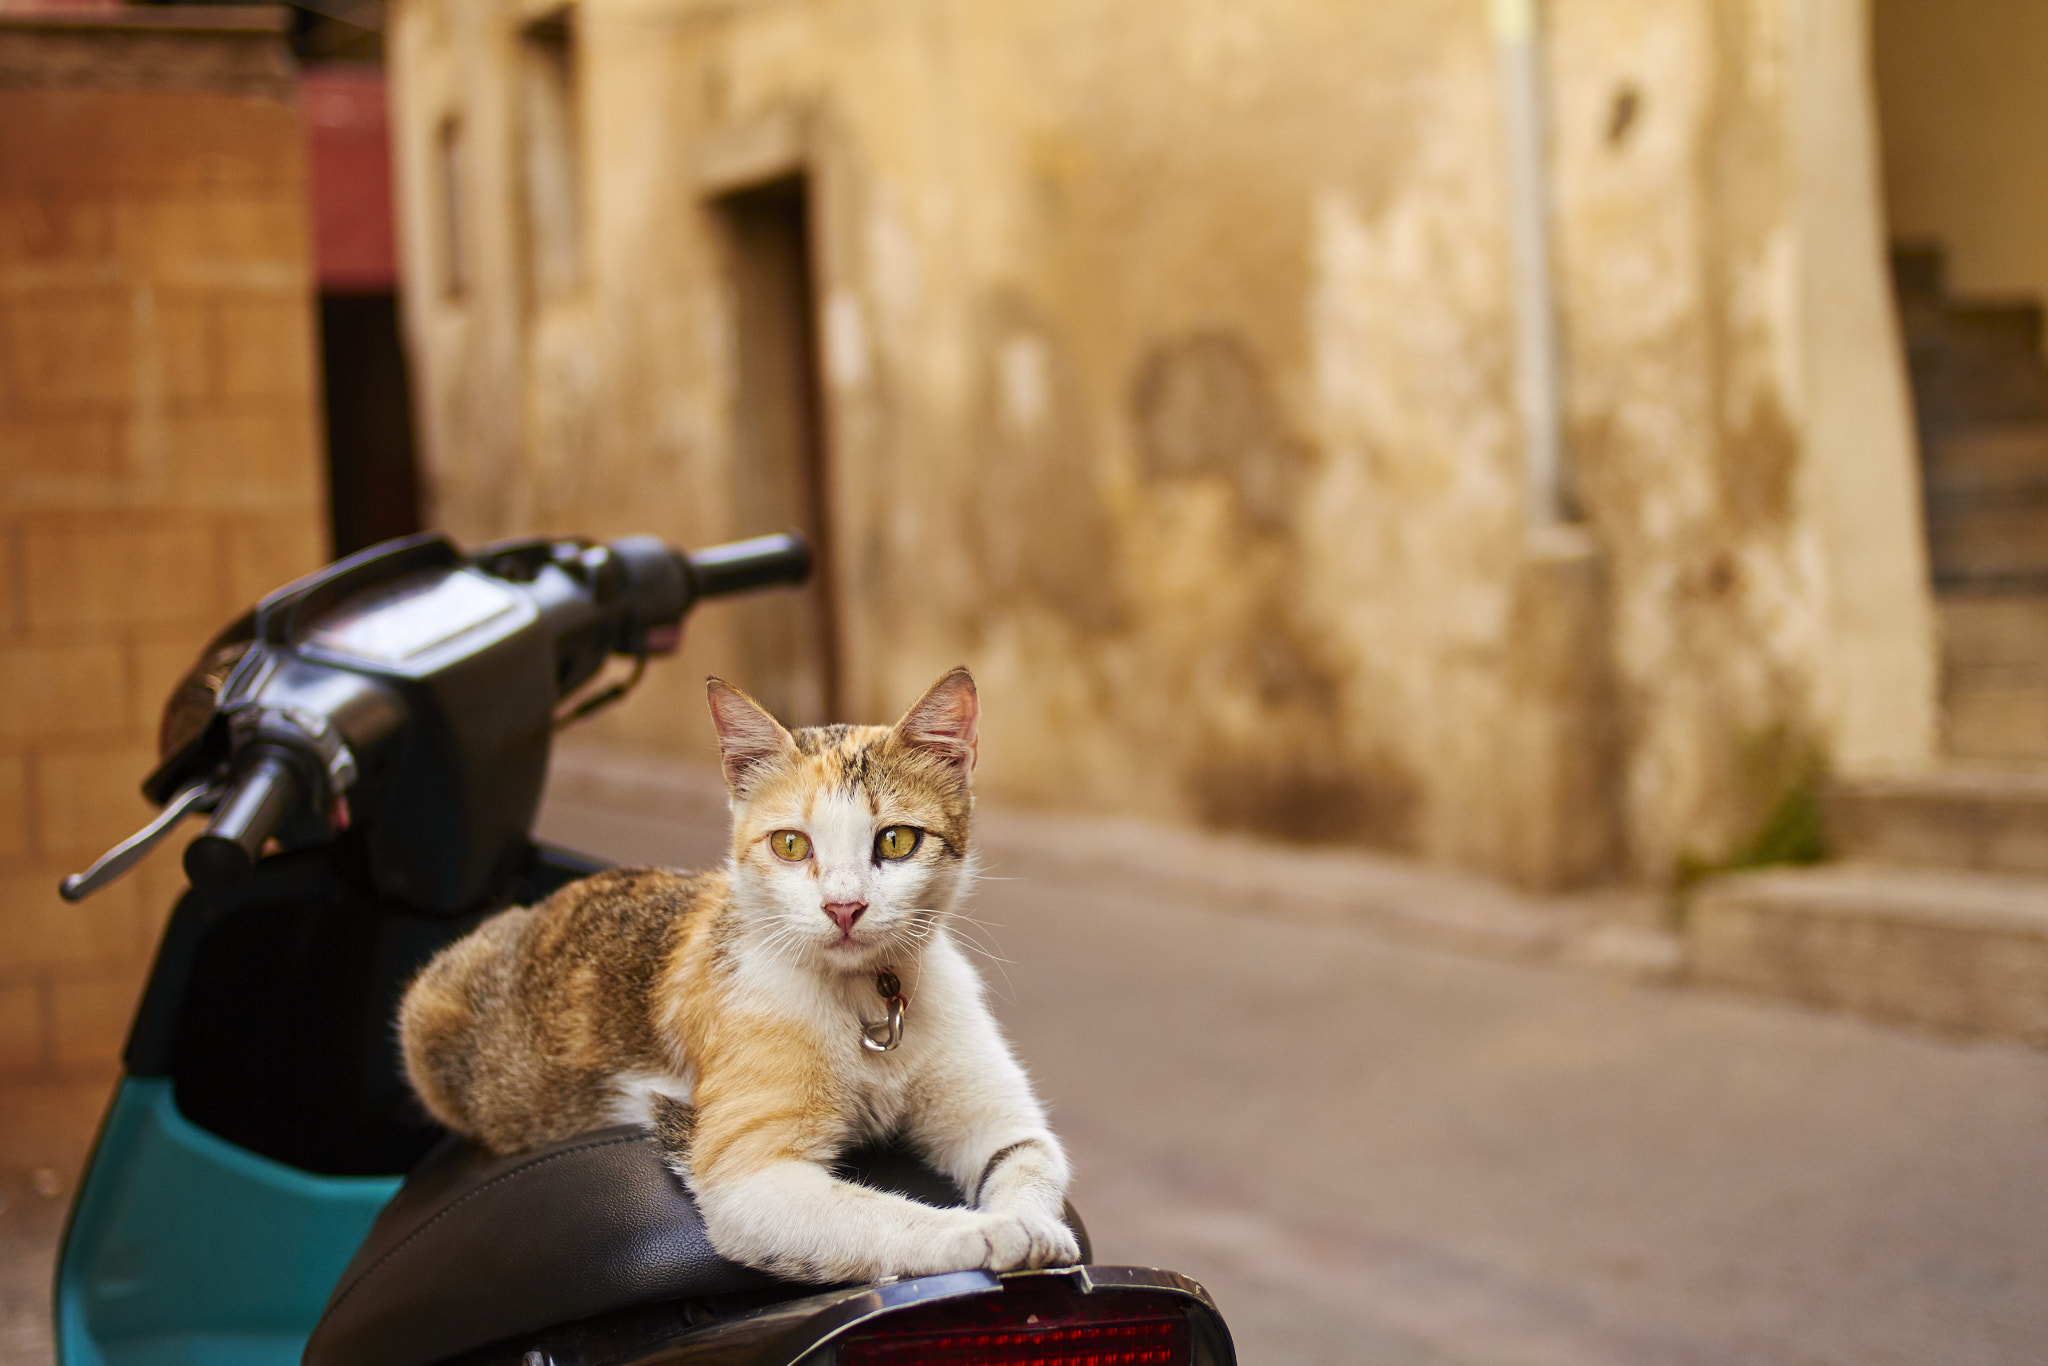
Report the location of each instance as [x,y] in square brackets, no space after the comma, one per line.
[199,796]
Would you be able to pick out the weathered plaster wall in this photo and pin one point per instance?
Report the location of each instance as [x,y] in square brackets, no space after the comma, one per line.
[1707,244]
[1169,385]
[1738,419]
[1878,665]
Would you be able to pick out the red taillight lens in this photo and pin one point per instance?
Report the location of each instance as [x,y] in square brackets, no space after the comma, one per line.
[1030,1325]
[1161,1343]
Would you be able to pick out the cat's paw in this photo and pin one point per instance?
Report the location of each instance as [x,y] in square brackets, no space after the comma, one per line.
[1028,1239]
[957,1240]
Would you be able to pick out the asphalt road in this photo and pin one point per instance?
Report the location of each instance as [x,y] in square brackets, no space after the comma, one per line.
[1380,1153]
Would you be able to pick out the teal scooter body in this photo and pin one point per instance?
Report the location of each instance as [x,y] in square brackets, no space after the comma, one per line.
[262,1122]
[187,1250]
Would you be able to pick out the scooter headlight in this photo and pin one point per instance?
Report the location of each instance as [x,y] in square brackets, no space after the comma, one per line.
[190,705]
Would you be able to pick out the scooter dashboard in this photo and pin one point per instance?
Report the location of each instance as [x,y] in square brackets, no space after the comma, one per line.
[417,623]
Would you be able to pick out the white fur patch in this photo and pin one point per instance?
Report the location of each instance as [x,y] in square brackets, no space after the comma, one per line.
[632,1101]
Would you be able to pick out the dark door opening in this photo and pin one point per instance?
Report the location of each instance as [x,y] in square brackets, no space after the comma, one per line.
[788,642]
[373,482]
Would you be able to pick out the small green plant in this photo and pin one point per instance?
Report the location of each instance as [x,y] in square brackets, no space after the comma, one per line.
[1792,831]
[1783,774]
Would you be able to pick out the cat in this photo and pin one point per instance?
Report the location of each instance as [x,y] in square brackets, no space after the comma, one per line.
[763,1019]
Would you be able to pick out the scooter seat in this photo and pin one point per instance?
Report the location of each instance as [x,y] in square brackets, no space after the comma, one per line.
[475,1249]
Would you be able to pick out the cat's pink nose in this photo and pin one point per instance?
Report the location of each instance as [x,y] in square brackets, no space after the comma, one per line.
[844,913]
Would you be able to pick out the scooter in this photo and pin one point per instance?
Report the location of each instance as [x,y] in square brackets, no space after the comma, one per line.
[370,744]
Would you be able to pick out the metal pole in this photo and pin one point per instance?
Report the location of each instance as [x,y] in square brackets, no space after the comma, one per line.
[1539,376]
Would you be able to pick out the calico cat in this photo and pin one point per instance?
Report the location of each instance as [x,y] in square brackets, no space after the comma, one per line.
[765,1018]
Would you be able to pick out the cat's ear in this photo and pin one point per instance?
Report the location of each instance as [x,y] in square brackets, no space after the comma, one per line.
[748,737]
[942,722]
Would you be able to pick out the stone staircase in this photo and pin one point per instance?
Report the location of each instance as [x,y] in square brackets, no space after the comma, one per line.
[1994,639]
[1937,911]
[1980,395]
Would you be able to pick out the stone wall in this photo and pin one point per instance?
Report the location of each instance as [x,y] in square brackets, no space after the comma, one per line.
[158,456]
[1169,384]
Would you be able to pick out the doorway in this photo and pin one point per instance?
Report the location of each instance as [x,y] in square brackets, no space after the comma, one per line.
[1964,116]
[788,642]
[372,477]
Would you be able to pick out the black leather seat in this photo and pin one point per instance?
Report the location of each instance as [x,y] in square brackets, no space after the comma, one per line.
[475,1248]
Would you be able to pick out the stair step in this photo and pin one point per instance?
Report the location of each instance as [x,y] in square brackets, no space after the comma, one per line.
[1919,269]
[1982,819]
[1979,328]
[2014,322]
[1990,543]
[1994,676]
[2002,637]
[1989,463]
[1955,950]
[1996,725]
[1973,370]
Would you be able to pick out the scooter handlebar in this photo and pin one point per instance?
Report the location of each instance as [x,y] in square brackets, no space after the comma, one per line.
[743,566]
[661,583]
[659,586]
[247,817]
[330,711]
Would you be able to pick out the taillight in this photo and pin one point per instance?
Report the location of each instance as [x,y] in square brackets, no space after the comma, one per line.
[1029,1325]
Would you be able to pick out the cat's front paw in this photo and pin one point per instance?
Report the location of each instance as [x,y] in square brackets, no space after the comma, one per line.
[1028,1239]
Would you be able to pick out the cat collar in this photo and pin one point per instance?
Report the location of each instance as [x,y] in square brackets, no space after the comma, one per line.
[885,1035]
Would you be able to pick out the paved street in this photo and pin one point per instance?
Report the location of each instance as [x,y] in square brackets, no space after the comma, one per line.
[1376,1151]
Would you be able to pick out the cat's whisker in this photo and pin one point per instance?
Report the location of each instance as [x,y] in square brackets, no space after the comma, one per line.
[918,926]
[967,940]
[986,952]
[973,929]
[785,943]
[988,927]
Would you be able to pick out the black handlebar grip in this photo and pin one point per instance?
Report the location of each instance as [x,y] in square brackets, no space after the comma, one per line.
[657,587]
[744,565]
[250,813]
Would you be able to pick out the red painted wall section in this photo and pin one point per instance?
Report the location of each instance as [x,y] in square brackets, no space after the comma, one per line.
[349,159]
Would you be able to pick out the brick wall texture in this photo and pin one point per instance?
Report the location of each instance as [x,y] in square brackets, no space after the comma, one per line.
[159,470]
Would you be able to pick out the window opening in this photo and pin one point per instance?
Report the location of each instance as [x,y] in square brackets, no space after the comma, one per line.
[553,172]
[454,262]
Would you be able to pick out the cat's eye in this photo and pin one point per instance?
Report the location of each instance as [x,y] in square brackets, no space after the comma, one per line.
[791,846]
[898,842]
